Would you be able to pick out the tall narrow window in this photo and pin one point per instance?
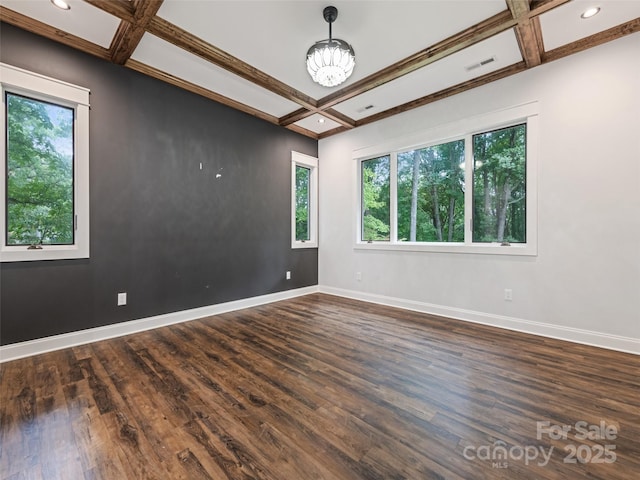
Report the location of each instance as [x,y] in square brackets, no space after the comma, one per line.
[499,186]
[303,179]
[304,201]
[376,199]
[39,197]
[44,192]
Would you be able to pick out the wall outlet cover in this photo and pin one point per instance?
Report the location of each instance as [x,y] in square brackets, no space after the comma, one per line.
[122,299]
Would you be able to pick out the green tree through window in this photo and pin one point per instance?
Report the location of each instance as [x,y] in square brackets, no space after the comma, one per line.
[499,185]
[376,206]
[464,187]
[304,201]
[303,177]
[431,193]
[39,196]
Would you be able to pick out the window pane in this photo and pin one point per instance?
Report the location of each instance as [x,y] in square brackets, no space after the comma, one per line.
[499,185]
[431,194]
[376,180]
[303,176]
[39,156]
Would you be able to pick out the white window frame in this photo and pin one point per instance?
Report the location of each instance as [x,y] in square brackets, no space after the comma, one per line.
[306,161]
[39,87]
[463,129]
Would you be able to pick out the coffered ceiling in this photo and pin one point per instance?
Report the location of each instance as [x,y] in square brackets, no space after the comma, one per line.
[250,55]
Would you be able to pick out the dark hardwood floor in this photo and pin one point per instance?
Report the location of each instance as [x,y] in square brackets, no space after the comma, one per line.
[322,387]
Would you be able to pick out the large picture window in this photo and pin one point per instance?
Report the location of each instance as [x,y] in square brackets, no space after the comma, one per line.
[45,213]
[474,193]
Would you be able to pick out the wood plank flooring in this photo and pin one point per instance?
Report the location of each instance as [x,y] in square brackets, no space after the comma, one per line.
[321,387]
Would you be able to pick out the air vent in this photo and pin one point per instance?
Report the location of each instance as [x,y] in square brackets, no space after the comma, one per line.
[363,109]
[481,63]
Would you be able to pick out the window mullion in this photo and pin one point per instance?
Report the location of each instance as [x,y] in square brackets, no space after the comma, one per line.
[393,192]
[359,203]
[468,190]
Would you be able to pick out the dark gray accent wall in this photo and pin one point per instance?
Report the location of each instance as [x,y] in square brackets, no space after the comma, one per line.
[172,236]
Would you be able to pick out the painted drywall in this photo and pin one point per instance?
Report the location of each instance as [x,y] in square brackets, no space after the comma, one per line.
[173,236]
[587,272]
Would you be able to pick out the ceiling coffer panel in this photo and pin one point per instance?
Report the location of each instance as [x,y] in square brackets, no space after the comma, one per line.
[493,54]
[82,20]
[166,57]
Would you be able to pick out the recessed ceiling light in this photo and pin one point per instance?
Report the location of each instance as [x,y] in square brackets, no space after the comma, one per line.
[590,12]
[321,120]
[61,4]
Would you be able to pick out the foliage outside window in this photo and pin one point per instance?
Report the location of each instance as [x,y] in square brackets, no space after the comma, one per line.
[431,194]
[376,182]
[39,172]
[499,185]
[45,191]
[474,193]
[304,201]
[303,178]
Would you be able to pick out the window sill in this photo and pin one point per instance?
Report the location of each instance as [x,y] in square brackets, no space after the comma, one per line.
[304,245]
[48,252]
[488,249]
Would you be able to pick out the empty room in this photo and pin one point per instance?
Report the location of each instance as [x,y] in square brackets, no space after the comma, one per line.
[295,240]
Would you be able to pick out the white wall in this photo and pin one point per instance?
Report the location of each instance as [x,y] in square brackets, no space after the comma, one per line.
[584,284]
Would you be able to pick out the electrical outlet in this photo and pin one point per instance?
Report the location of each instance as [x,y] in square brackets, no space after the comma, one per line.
[288,275]
[359,276]
[122,299]
[508,294]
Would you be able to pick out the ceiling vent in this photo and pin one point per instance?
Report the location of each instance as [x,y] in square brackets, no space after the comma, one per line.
[364,109]
[481,63]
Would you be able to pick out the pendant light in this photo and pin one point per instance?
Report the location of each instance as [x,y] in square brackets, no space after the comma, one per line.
[330,62]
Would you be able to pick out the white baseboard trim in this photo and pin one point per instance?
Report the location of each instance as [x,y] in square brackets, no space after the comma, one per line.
[576,335]
[57,342]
